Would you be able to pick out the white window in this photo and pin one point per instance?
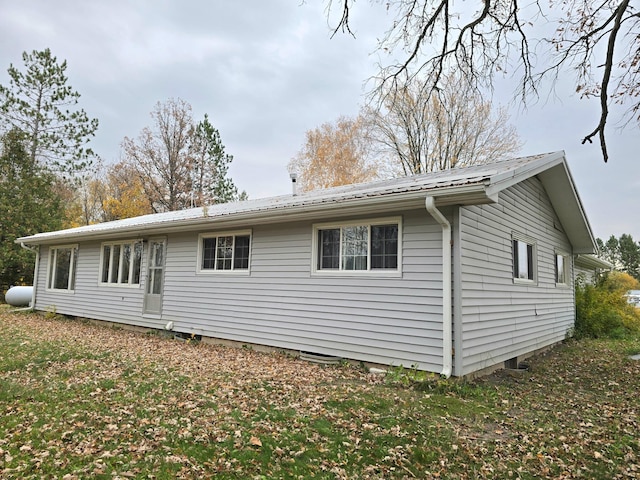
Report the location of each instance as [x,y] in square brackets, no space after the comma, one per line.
[224,252]
[62,267]
[121,263]
[358,247]
[524,259]
[562,269]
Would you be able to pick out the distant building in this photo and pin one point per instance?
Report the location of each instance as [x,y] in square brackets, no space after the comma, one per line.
[633,297]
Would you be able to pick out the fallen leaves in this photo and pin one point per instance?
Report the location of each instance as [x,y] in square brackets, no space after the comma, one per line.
[79,401]
[255,442]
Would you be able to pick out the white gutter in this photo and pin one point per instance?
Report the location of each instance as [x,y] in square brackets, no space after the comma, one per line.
[447,324]
[32,305]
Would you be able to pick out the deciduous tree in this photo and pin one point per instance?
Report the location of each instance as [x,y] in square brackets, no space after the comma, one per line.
[334,154]
[452,128]
[124,193]
[178,162]
[161,156]
[597,42]
[39,103]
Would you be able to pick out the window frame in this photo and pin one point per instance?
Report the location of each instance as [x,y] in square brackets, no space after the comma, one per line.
[374,272]
[520,238]
[121,244]
[51,268]
[233,270]
[566,265]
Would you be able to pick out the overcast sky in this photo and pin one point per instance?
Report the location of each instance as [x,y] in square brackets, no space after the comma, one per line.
[266,72]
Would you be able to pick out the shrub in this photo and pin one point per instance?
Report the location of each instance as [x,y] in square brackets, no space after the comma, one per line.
[602,310]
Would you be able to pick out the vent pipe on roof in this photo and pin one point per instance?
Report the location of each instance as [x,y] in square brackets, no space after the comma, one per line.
[294,180]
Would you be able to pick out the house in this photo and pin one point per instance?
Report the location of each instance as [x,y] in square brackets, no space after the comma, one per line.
[633,297]
[589,267]
[451,272]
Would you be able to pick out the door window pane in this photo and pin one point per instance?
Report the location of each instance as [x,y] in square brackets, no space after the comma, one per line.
[158,255]
[156,281]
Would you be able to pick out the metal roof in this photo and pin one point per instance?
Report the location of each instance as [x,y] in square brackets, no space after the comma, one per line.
[470,183]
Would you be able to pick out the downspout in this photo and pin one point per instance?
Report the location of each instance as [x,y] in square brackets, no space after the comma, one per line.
[35,273]
[447,351]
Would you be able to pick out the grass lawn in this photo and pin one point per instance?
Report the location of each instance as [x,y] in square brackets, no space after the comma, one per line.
[85,401]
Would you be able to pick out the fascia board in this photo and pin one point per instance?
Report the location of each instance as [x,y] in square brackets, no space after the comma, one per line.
[505,180]
[568,206]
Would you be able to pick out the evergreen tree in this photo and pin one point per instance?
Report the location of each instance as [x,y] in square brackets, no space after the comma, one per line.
[210,166]
[29,204]
[39,103]
[629,255]
[623,253]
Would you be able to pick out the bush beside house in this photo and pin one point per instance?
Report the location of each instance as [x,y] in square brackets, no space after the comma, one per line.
[602,309]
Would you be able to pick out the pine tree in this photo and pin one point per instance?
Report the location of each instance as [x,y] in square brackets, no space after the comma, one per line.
[211,183]
[39,103]
[29,204]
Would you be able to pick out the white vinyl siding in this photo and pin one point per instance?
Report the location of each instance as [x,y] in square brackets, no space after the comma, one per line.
[501,318]
[90,299]
[374,318]
[585,275]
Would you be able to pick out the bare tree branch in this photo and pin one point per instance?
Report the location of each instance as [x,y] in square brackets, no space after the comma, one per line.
[606,77]
[438,39]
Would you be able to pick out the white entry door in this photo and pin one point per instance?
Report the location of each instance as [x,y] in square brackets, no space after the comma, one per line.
[155,276]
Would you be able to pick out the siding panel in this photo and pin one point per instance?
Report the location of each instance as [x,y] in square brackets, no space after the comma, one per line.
[280,302]
[501,319]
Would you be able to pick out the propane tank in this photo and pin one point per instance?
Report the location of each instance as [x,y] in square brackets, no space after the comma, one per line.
[19,296]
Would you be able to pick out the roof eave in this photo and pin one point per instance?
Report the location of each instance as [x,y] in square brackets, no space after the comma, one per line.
[591,261]
[505,180]
[566,202]
[453,195]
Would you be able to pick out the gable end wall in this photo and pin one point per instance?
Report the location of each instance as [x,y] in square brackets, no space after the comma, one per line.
[501,319]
